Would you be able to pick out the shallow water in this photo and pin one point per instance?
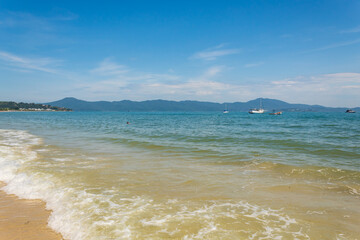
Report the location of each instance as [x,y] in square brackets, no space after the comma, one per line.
[187,175]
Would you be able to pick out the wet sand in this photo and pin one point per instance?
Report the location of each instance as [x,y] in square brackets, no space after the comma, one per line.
[24,219]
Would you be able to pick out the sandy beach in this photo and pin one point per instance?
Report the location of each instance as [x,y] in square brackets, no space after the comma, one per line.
[24,219]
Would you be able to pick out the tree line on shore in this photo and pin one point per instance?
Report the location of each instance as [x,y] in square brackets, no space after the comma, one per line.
[21,106]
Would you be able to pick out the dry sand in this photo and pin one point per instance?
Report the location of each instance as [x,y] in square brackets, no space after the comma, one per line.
[22,219]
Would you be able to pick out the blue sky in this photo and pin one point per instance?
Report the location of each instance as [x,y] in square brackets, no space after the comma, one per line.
[223,51]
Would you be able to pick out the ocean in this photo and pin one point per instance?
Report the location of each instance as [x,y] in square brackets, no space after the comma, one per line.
[187,175]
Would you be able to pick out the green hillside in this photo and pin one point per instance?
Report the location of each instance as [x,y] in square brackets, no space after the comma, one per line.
[21,106]
[189,106]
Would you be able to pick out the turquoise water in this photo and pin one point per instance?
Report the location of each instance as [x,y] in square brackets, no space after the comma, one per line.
[321,139]
[188,175]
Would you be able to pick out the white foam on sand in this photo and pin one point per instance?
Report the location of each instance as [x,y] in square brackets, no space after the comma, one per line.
[15,153]
[79,214]
[76,213]
[271,224]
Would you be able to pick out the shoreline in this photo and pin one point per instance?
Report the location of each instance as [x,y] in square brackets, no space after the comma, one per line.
[32,111]
[24,219]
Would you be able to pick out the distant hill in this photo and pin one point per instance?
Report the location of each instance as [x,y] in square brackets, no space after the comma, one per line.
[188,106]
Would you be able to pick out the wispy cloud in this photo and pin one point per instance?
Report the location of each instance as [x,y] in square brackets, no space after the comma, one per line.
[111,78]
[331,80]
[250,65]
[335,45]
[60,14]
[24,20]
[341,77]
[24,63]
[110,68]
[286,35]
[188,89]
[352,30]
[201,86]
[325,89]
[215,52]
[115,80]
[285,82]
[35,23]
[213,71]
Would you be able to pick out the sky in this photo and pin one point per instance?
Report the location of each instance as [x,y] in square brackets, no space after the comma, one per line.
[299,51]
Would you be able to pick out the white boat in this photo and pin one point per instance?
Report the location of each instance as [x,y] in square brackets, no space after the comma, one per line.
[257,110]
[226,109]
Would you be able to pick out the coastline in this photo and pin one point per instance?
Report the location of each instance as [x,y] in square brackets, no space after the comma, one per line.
[31,111]
[24,219]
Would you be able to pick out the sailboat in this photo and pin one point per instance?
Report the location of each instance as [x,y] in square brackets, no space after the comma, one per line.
[226,109]
[257,110]
[350,111]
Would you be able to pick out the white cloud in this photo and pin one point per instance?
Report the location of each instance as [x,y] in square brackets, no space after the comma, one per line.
[351,86]
[336,45]
[113,70]
[60,14]
[112,81]
[109,68]
[341,77]
[23,19]
[31,21]
[285,82]
[286,35]
[326,89]
[140,86]
[250,65]
[110,78]
[190,88]
[215,52]
[352,30]
[199,86]
[23,63]
[212,71]
[336,89]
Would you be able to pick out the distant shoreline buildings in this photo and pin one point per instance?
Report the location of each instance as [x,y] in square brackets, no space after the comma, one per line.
[30,107]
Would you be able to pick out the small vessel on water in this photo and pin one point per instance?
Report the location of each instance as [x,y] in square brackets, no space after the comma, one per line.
[226,109]
[275,113]
[257,110]
[350,111]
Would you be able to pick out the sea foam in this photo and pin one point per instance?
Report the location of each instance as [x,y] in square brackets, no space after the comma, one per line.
[78,214]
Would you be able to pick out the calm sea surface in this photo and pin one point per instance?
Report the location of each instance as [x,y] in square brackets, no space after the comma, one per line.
[187,175]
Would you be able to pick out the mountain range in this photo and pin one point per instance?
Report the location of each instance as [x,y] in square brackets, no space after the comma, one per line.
[188,106]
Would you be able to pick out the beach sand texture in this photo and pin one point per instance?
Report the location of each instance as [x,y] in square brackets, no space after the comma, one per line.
[22,219]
